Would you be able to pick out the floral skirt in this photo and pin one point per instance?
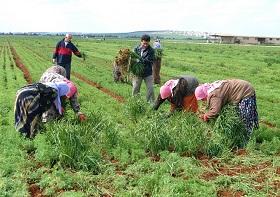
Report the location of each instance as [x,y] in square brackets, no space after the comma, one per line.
[248,113]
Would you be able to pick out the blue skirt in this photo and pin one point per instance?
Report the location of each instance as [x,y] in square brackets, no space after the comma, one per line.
[248,113]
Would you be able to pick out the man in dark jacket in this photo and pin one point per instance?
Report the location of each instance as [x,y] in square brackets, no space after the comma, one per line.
[147,57]
[63,53]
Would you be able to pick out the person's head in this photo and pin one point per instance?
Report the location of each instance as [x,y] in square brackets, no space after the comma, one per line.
[68,37]
[166,89]
[145,41]
[201,92]
[57,69]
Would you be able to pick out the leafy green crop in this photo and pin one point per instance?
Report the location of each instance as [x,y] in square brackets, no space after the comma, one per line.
[136,66]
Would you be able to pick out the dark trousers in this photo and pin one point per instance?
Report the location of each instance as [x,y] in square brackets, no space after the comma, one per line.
[67,68]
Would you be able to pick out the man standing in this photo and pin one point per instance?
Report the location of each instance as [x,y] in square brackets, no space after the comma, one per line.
[63,53]
[147,57]
[157,61]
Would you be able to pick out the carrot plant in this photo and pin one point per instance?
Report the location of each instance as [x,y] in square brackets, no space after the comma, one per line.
[228,132]
[76,145]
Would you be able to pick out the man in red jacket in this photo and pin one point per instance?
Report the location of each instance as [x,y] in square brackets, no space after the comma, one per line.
[63,53]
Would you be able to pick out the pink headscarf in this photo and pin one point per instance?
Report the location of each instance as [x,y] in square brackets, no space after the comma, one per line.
[166,89]
[202,91]
[72,88]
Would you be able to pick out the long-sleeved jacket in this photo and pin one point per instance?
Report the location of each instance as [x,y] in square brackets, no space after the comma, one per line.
[147,58]
[63,54]
[231,91]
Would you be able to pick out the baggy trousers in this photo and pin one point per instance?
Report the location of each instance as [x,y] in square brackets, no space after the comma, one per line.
[136,83]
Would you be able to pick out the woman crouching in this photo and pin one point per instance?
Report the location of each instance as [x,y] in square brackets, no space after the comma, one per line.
[31,101]
[234,91]
[180,93]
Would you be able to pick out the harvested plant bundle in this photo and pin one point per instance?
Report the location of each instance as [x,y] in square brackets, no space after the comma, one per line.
[136,66]
[121,65]
[84,56]
[228,132]
[158,53]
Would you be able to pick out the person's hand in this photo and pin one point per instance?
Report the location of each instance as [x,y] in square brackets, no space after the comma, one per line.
[82,117]
[53,60]
[83,55]
[203,117]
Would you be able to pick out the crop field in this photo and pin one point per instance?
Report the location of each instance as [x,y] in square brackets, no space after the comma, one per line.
[127,149]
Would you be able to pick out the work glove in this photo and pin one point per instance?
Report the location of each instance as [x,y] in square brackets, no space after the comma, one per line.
[81,117]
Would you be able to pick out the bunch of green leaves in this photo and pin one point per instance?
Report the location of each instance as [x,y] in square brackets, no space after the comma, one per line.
[153,133]
[135,108]
[84,56]
[188,133]
[228,132]
[182,132]
[158,53]
[136,66]
[77,145]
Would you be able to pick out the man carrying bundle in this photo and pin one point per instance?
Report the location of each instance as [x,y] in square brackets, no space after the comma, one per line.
[146,53]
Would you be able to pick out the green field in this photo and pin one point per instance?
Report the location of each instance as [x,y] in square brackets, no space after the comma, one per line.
[125,148]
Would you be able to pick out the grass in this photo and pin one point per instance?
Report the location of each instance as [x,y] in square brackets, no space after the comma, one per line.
[128,149]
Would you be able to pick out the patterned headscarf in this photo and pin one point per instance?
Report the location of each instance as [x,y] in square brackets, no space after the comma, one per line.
[57,69]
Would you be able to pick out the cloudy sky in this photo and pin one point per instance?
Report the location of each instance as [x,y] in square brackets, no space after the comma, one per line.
[241,17]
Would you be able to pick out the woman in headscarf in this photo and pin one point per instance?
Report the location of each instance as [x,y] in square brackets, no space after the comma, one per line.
[233,91]
[31,101]
[64,89]
[180,93]
[58,74]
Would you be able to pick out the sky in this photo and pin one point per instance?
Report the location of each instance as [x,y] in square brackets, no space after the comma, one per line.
[237,17]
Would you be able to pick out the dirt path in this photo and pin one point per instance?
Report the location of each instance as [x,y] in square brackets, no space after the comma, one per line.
[20,65]
[98,86]
[88,81]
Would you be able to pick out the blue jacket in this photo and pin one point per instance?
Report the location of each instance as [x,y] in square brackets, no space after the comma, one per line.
[147,59]
[63,54]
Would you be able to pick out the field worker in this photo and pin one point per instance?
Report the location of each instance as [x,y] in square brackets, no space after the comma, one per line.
[65,89]
[157,62]
[180,93]
[233,91]
[157,44]
[63,53]
[57,74]
[31,101]
[146,52]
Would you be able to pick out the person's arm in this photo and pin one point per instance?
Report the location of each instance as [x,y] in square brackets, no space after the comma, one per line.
[76,108]
[76,51]
[215,107]
[74,103]
[158,102]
